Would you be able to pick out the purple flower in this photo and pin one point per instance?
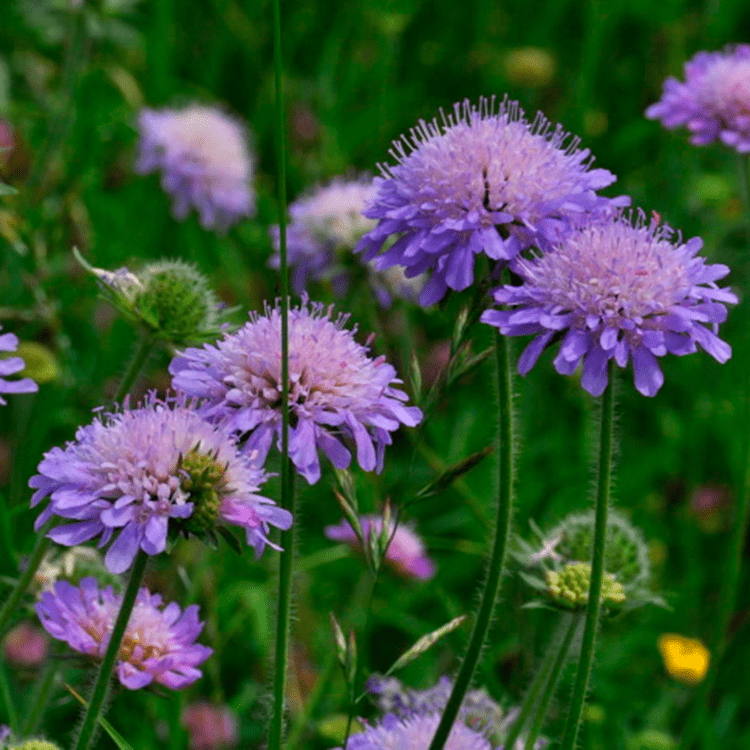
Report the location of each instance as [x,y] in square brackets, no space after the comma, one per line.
[325,227]
[616,289]
[340,397]
[714,101]
[128,473]
[414,733]
[159,643]
[406,551]
[483,180]
[11,366]
[204,159]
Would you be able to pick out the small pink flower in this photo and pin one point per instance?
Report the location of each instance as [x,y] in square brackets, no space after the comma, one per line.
[25,646]
[406,552]
[210,726]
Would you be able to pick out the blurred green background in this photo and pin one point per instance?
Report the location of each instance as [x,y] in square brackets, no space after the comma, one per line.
[357,76]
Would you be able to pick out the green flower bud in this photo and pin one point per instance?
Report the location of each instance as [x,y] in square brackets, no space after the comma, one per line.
[570,586]
[34,745]
[204,484]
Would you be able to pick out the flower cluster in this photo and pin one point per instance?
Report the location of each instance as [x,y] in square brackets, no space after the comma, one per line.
[484,180]
[713,102]
[204,160]
[406,552]
[131,473]
[616,289]
[159,643]
[339,396]
[12,366]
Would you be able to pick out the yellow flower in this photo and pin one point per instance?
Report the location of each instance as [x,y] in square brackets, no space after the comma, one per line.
[685,659]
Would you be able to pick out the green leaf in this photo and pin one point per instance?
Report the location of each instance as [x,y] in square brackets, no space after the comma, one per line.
[444,480]
[114,735]
[231,540]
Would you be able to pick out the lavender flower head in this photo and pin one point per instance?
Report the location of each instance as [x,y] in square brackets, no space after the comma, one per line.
[713,102]
[204,159]
[340,397]
[483,180]
[616,289]
[325,227]
[406,551]
[159,643]
[133,474]
[12,366]
[414,733]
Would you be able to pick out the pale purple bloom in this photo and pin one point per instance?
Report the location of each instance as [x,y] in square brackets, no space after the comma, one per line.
[12,366]
[204,159]
[414,733]
[340,397]
[616,289]
[25,645]
[406,551]
[159,643]
[325,227]
[210,726]
[482,180]
[713,102]
[134,473]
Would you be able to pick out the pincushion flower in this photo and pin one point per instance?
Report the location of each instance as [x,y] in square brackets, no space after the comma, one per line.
[406,552]
[12,366]
[133,474]
[617,289]
[204,159]
[159,643]
[340,397]
[414,733]
[325,227]
[483,180]
[713,102]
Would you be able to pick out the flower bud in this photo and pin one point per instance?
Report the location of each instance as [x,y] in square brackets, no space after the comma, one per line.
[570,586]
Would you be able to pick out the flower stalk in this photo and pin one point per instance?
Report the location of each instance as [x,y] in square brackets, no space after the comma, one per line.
[101,685]
[506,476]
[604,486]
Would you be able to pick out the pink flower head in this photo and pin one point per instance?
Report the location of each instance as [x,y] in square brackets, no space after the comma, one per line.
[406,552]
[25,645]
[159,643]
[209,726]
[713,102]
[204,159]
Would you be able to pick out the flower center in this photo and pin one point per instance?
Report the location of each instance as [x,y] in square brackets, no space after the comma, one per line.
[205,486]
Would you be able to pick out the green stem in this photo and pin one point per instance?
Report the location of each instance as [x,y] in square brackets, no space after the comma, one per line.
[554,675]
[499,545]
[137,363]
[41,700]
[286,559]
[738,529]
[286,564]
[160,49]
[10,706]
[37,553]
[588,641]
[101,685]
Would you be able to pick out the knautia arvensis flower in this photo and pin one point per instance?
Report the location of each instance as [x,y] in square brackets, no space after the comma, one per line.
[405,553]
[12,366]
[340,397]
[482,180]
[159,644]
[620,289]
[134,475]
[414,733]
[713,102]
[203,156]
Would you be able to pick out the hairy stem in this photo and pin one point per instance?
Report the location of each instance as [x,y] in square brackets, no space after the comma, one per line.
[137,363]
[499,545]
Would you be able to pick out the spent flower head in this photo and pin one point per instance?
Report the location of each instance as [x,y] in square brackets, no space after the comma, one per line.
[204,159]
[713,102]
[12,366]
[159,643]
[482,180]
[136,474]
[340,397]
[405,553]
[617,289]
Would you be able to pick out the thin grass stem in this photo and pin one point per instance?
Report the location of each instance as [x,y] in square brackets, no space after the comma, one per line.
[499,546]
[604,486]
